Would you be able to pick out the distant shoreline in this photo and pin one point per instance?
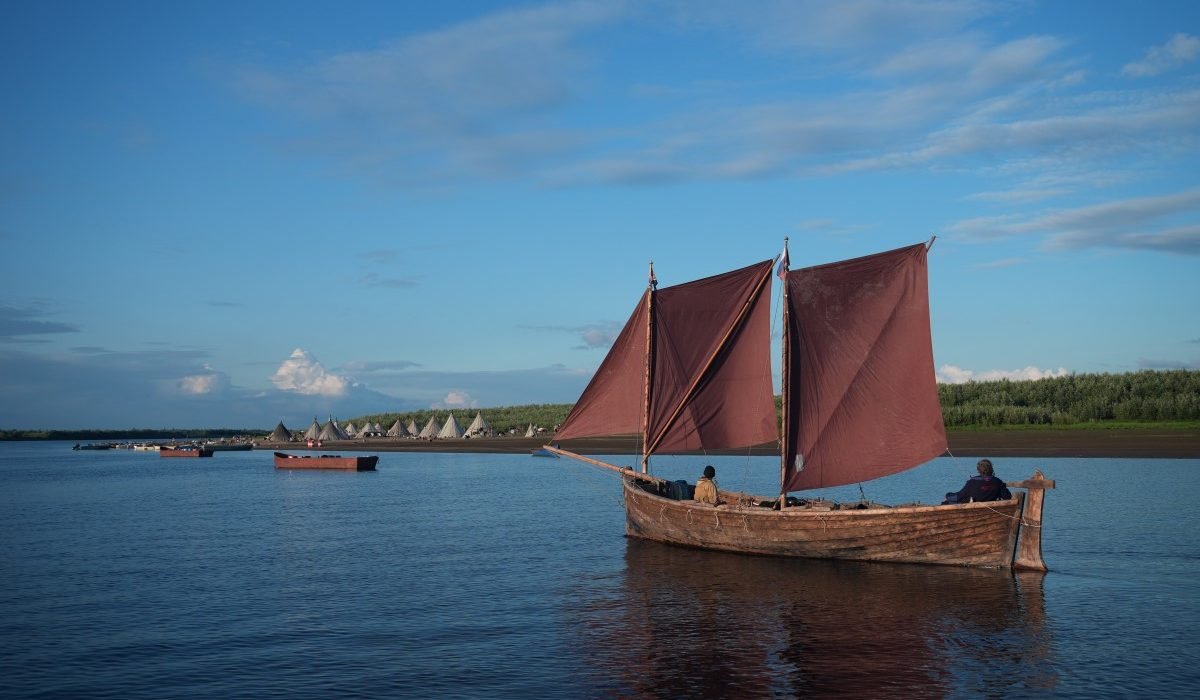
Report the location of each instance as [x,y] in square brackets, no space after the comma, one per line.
[1142,444]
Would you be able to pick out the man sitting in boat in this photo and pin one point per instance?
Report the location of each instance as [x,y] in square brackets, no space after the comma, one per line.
[706,488]
[983,487]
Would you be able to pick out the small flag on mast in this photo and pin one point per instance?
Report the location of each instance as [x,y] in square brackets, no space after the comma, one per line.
[782,269]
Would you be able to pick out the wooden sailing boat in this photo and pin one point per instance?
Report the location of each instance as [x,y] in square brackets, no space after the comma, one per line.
[691,371]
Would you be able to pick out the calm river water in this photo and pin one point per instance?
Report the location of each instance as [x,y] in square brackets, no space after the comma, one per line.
[130,576]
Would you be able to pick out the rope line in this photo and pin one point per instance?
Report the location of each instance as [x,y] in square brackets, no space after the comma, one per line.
[1024,522]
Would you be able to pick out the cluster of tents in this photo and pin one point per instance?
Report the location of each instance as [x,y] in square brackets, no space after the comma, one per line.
[433,430]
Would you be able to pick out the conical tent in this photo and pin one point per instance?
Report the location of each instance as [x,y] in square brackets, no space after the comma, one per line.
[376,428]
[397,430]
[530,432]
[350,430]
[451,429]
[280,434]
[431,428]
[412,427]
[314,431]
[479,426]
[331,431]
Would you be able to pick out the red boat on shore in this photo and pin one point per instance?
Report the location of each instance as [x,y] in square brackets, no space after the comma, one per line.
[184,451]
[360,464]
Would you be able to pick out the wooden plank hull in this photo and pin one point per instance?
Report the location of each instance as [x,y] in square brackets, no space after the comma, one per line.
[970,534]
[360,464]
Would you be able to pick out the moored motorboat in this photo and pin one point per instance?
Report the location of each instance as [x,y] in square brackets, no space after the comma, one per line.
[229,446]
[184,451]
[365,463]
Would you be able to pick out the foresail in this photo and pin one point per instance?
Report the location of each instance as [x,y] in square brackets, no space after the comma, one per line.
[863,396]
[612,403]
[712,363]
[710,369]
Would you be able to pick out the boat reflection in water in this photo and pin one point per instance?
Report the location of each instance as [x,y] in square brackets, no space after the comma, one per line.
[689,623]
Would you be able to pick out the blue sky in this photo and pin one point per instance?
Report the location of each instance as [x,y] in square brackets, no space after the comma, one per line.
[230,214]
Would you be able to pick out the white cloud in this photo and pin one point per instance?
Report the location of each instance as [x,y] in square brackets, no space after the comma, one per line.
[457,399]
[303,374]
[953,374]
[209,382]
[1179,49]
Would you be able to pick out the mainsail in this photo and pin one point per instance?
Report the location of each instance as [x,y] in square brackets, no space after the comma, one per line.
[709,369]
[862,401]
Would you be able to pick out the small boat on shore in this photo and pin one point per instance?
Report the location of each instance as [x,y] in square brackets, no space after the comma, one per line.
[184,451]
[145,447]
[94,446]
[360,464]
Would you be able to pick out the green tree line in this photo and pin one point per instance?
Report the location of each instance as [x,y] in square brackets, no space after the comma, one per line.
[1147,396]
[1166,395]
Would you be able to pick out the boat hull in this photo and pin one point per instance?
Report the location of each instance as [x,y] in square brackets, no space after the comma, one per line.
[360,464]
[184,452]
[229,447]
[970,534]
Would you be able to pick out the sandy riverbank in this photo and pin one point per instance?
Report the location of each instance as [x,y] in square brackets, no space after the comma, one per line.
[1147,443]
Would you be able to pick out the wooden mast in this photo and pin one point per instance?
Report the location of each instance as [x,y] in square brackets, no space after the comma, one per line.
[785,391]
[648,385]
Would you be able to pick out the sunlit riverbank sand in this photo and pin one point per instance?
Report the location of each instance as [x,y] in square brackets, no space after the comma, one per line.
[1009,443]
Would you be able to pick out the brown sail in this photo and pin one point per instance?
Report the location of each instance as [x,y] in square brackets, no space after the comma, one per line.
[712,364]
[863,398]
[711,369]
[612,403]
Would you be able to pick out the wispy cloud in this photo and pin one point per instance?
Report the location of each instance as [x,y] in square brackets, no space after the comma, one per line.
[1004,262]
[382,256]
[593,335]
[1136,223]
[462,102]
[18,323]
[910,84]
[1168,364]
[365,367]
[1179,50]
[372,279]
[1020,195]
